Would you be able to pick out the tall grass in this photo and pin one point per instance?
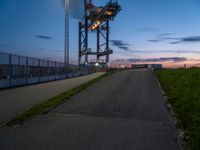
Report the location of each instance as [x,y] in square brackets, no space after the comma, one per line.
[183,89]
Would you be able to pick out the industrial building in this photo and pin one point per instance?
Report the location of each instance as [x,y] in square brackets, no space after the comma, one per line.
[150,66]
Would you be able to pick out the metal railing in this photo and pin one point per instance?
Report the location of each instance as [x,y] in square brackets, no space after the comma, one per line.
[19,70]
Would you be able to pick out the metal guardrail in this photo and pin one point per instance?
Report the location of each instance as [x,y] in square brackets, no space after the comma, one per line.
[19,70]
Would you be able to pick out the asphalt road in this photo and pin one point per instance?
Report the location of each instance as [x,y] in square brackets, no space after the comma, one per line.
[125,111]
[17,100]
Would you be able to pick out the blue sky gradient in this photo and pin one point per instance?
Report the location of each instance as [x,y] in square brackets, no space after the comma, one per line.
[148,29]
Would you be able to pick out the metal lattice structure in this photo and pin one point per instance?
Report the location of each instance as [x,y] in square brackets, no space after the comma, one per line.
[66,46]
[96,19]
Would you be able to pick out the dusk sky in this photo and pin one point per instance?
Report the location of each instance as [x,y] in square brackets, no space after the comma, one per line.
[143,29]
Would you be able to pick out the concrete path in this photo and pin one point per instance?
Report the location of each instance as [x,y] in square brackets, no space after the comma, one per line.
[17,100]
[124,111]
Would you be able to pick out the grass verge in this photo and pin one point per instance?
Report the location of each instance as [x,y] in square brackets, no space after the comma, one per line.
[182,87]
[53,102]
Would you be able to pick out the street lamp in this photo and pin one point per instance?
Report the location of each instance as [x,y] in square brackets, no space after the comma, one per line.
[97,64]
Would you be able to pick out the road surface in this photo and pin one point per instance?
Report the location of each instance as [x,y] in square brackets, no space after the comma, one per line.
[17,100]
[125,111]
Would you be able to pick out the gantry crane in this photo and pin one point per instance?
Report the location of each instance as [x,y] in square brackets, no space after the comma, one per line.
[96,19]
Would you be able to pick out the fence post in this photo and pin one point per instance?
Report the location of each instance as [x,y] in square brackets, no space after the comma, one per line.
[27,72]
[48,69]
[60,73]
[39,69]
[10,69]
[55,69]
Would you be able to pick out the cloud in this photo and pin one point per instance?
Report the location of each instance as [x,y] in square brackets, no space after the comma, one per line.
[44,37]
[185,51]
[166,51]
[161,37]
[165,37]
[162,59]
[124,48]
[191,39]
[175,59]
[165,34]
[154,41]
[121,44]
[57,51]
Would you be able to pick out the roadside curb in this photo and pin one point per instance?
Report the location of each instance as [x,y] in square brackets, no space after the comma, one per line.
[179,132]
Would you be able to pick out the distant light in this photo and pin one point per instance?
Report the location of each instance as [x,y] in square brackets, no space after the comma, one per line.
[97,64]
[109,13]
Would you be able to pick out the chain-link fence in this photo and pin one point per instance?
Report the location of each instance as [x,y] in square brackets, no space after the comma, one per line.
[19,70]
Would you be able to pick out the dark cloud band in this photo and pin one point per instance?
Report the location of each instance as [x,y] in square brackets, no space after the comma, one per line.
[162,59]
[121,44]
[192,39]
[162,37]
[167,51]
[43,37]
